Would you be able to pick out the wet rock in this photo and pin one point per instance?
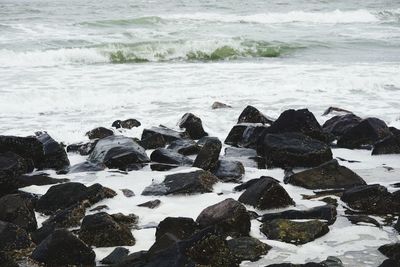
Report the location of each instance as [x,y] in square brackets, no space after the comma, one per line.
[100,207]
[184,147]
[294,232]
[101,230]
[335,110]
[326,176]
[293,150]
[389,145]
[356,219]
[251,135]
[252,115]
[11,166]
[118,152]
[126,124]
[168,134]
[366,132]
[19,211]
[55,156]
[218,105]
[193,126]
[38,179]
[99,133]
[41,233]
[392,251]
[229,171]
[128,192]
[162,167]
[179,227]
[131,220]
[248,248]
[236,152]
[394,130]
[266,193]
[7,261]
[62,248]
[83,148]
[152,204]
[339,125]
[115,256]
[13,237]
[235,135]
[207,159]
[326,212]
[229,215]
[329,262]
[29,148]
[87,167]
[390,263]
[183,183]
[69,217]
[163,155]
[153,141]
[65,195]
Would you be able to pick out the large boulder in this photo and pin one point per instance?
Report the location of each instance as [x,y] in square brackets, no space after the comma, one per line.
[265,193]
[163,155]
[392,251]
[293,150]
[13,237]
[247,248]
[118,152]
[62,248]
[229,171]
[179,227]
[101,230]
[153,141]
[126,124]
[252,115]
[11,166]
[19,211]
[38,179]
[229,215]
[339,125]
[184,147]
[245,135]
[99,133]
[86,166]
[193,126]
[69,217]
[83,148]
[65,195]
[183,183]
[326,176]
[116,256]
[389,145]
[169,135]
[294,232]
[207,159]
[235,135]
[55,156]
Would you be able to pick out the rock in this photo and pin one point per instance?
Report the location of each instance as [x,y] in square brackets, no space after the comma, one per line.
[163,155]
[100,207]
[116,256]
[207,159]
[153,141]
[202,141]
[179,227]
[356,219]
[184,147]
[251,135]
[392,251]
[229,215]
[327,175]
[183,183]
[252,115]
[128,192]
[69,217]
[236,152]
[41,233]
[266,193]
[99,133]
[339,125]
[162,167]
[126,124]
[326,212]
[65,195]
[101,230]
[86,167]
[19,211]
[193,126]
[335,109]
[229,171]
[293,150]
[390,263]
[11,166]
[83,148]
[294,232]
[329,262]
[218,105]
[248,248]
[152,204]
[388,145]
[7,261]
[394,130]
[168,134]
[55,156]
[13,237]
[62,248]
[129,220]
[366,132]
[38,179]
[235,135]
[118,152]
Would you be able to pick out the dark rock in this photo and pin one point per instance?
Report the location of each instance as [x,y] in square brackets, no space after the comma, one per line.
[163,155]
[202,141]
[366,132]
[11,166]
[235,135]
[162,167]
[326,176]
[168,134]
[251,182]
[184,147]
[356,219]
[183,183]
[69,217]
[193,126]
[129,220]
[153,141]
[100,207]
[335,109]
[394,130]
[83,148]
[218,105]
[118,152]
[180,227]
[41,233]
[55,156]
[229,171]
[13,237]
[252,115]
[392,251]
[339,125]
[116,256]
[126,124]
[152,204]
[164,242]
[251,135]
[65,195]
[38,179]
[99,133]
[207,159]
[7,260]
[19,211]
[329,262]
[87,167]
[229,215]
[389,145]
[101,230]
[248,248]
[236,152]
[293,150]
[390,263]
[266,193]
[128,192]
[62,248]
[294,232]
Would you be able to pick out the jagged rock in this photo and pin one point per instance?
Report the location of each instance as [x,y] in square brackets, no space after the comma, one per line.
[335,109]
[152,204]
[229,171]
[99,133]
[38,179]
[366,132]
[207,159]
[65,195]
[293,150]
[87,166]
[13,237]
[116,256]
[326,212]
[266,193]
[184,147]
[62,248]
[126,124]
[248,248]
[327,175]
[218,105]
[183,183]
[55,156]
[83,148]
[163,155]
[118,152]
[193,126]
[339,125]
[168,134]
[229,215]
[11,166]
[153,141]
[251,135]
[101,230]
[19,211]
[180,227]
[294,232]
[235,135]
[392,251]
[69,217]
[252,115]
[388,145]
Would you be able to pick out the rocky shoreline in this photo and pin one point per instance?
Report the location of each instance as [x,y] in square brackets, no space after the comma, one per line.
[220,235]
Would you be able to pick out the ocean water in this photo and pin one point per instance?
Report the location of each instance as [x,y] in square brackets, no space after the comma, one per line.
[69,66]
